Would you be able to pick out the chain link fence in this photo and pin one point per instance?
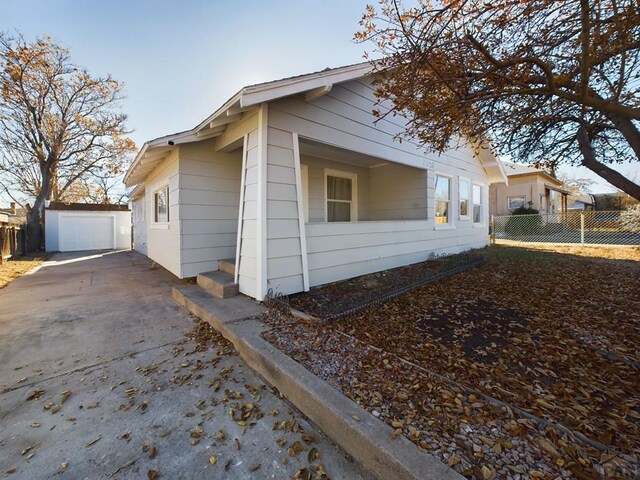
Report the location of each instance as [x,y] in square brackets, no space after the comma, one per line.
[590,227]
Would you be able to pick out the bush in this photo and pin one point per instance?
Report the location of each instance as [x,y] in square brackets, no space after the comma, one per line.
[524,211]
[524,221]
[630,218]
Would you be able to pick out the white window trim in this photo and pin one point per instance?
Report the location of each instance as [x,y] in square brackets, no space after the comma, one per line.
[516,196]
[450,224]
[328,172]
[155,222]
[469,198]
[483,215]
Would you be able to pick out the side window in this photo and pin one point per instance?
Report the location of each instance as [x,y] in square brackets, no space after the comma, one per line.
[477,204]
[464,191]
[341,193]
[161,203]
[443,200]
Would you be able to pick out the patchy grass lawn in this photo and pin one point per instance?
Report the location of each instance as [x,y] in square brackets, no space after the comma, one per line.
[15,268]
[524,367]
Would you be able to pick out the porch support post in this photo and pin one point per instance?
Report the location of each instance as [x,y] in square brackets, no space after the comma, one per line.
[241,209]
[261,270]
[301,225]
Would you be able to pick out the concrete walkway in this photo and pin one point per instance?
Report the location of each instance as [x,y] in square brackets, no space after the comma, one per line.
[97,380]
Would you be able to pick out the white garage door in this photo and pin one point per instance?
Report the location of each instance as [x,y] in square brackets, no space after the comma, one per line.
[85,232]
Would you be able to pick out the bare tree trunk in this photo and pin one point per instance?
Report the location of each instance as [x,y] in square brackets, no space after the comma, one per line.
[628,130]
[34,231]
[610,175]
[35,216]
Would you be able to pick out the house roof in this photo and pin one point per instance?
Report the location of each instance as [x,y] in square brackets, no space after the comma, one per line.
[517,169]
[154,151]
[314,84]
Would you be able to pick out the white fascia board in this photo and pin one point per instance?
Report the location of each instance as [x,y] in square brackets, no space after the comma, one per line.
[285,88]
[137,192]
[226,106]
[134,165]
[492,164]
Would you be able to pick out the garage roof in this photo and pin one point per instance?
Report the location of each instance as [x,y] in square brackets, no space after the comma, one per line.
[93,207]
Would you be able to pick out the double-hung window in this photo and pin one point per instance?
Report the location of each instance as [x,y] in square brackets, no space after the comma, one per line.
[341,191]
[161,205]
[464,188]
[443,200]
[477,204]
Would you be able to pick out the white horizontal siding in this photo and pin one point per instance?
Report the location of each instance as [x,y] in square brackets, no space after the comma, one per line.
[163,244]
[248,267]
[284,261]
[209,204]
[139,215]
[337,251]
[398,193]
[343,118]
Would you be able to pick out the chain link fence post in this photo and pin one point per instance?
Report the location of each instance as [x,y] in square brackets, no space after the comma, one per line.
[492,234]
[581,228]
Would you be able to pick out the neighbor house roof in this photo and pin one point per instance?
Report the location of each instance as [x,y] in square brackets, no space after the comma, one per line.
[314,85]
[517,169]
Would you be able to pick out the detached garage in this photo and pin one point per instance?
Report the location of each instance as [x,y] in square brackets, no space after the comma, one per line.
[72,227]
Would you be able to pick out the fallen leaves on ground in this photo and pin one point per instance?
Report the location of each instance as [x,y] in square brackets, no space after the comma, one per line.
[554,335]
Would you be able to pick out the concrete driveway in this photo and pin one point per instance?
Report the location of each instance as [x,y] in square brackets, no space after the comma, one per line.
[97,380]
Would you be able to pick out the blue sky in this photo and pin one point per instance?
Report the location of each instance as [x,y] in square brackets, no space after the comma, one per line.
[180,60]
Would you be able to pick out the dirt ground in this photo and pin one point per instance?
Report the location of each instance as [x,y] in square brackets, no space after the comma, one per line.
[525,367]
[11,269]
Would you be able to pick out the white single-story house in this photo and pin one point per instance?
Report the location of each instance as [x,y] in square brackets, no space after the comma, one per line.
[296,184]
[73,227]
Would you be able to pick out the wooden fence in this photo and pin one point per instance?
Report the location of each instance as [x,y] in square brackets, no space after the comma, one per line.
[10,242]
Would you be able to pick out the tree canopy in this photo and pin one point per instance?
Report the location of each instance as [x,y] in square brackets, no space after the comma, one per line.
[61,132]
[546,81]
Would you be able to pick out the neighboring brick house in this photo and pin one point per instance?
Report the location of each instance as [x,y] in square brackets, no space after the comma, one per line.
[528,186]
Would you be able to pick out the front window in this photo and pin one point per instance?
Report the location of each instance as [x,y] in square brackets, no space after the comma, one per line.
[161,200]
[516,202]
[477,204]
[464,198]
[443,199]
[340,197]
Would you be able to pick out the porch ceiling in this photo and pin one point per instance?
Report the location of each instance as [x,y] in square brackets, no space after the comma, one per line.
[337,154]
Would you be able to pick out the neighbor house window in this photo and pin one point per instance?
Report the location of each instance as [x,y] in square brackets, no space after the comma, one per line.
[161,200]
[516,202]
[443,199]
[341,192]
[477,204]
[464,187]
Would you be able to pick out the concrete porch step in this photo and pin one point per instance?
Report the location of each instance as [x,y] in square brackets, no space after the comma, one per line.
[217,283]
[227,265]
[213,310]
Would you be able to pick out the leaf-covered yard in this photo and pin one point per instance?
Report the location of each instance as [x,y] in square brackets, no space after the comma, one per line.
[524,367]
